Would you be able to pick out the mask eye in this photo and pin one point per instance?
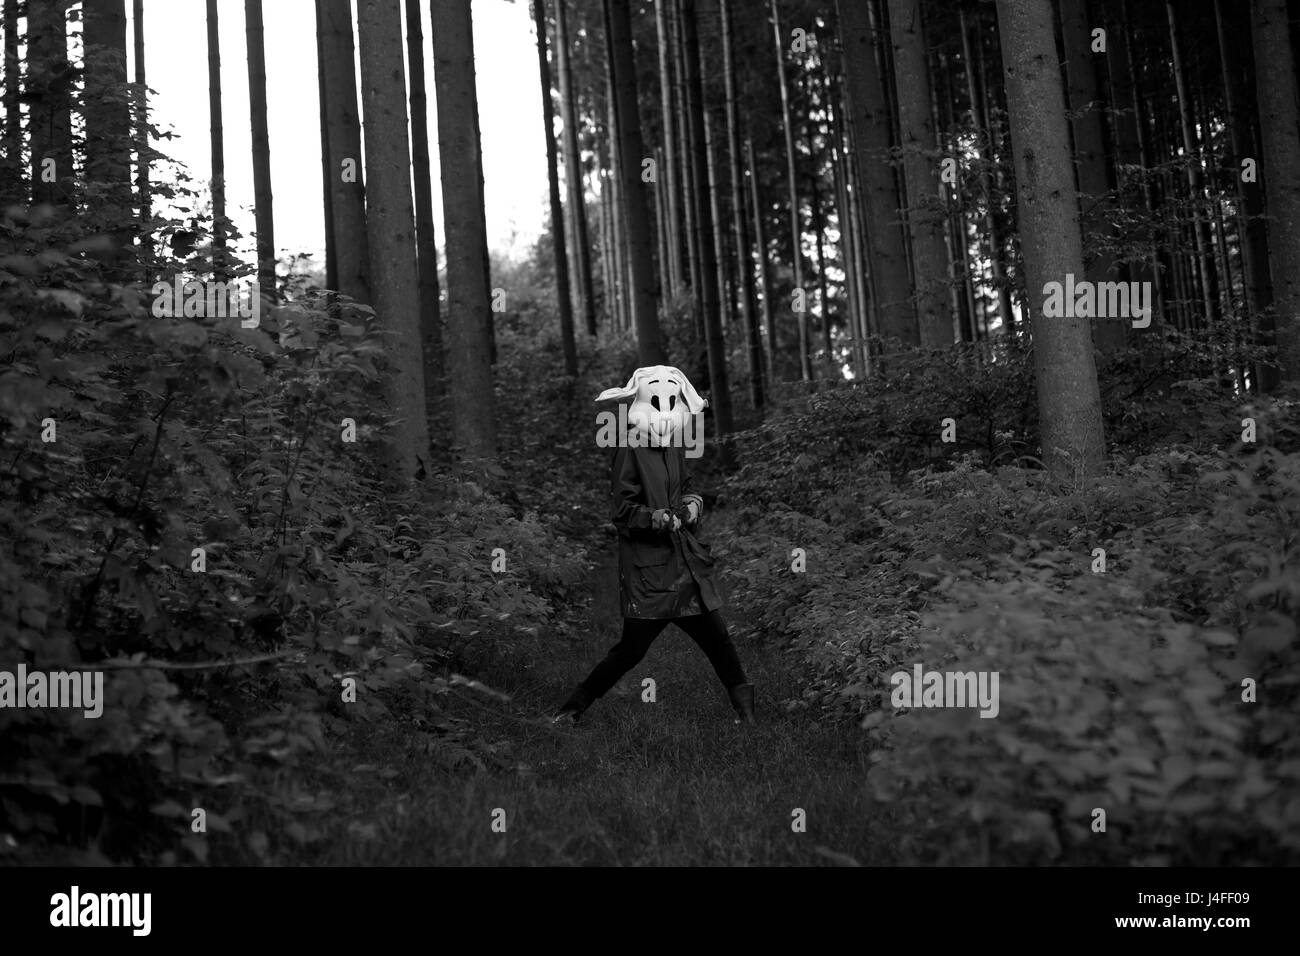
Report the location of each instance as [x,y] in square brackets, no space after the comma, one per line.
[654,400]
[672,402]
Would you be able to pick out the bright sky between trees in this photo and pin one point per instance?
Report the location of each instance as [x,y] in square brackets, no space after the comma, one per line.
[514,157]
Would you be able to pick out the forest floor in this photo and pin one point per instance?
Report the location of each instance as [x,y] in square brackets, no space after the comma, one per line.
[674,782]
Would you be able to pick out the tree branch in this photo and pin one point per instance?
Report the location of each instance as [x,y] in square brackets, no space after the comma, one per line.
[175,666]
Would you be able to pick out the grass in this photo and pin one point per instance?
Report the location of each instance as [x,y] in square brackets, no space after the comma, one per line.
[670,783]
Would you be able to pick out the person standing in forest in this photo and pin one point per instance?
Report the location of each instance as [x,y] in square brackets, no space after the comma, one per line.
[665,572]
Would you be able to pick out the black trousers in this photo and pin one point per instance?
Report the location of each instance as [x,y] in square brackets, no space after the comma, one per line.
[709,631]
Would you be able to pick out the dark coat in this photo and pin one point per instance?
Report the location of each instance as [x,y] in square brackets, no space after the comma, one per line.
[661,574]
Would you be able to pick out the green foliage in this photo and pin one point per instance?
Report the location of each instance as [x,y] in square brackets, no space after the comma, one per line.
[892,423]
[181,433]
[1120,690]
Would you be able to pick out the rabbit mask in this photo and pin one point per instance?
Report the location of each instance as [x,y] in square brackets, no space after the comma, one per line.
[663,404]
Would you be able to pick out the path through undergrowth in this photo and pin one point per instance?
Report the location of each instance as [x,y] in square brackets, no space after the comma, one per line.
[674,782]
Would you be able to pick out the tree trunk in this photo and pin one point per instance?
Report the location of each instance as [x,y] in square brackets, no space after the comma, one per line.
[844,225]
[719,228]
[631,150]
[1214,210]
[668,173]
[823,298]
[219,264]
[50,116]
[865,318]
[998,186]
[623,311]
[718,191]
[869,318]
[744,259]
[957,237]
[12,137]
[1090,156]
[815,131]
[1167,205]
[720,394]
[426,245]
[975,94]
[469,315]
[1069,405]
[851,287]
[796,230]
[345,146]
[691,189]
[262,201]
[345,182]
[108,117]
[106,111]
[918,142]
[390,223]
[1253,242]
[618,224]
[661,226]
[573,168]
[716,330]
[1122,82]
[870,125]
[1204,254]
[327,173]
[760,243]
[142,147]
[606,258]
[1275,92]
[562,291]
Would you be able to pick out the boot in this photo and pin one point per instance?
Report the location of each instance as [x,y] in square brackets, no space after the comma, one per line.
[742,698]
[571,710]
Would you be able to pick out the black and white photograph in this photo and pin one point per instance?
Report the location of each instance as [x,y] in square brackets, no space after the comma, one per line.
[573,434]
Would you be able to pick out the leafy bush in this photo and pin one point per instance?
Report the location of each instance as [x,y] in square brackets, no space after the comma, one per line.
[173,434]
[1120,690]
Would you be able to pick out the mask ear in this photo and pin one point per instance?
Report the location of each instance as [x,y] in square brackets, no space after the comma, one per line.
[694,404]
[621,394]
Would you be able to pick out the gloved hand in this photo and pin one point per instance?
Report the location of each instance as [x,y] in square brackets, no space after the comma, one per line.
[665,520]
[694,508]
